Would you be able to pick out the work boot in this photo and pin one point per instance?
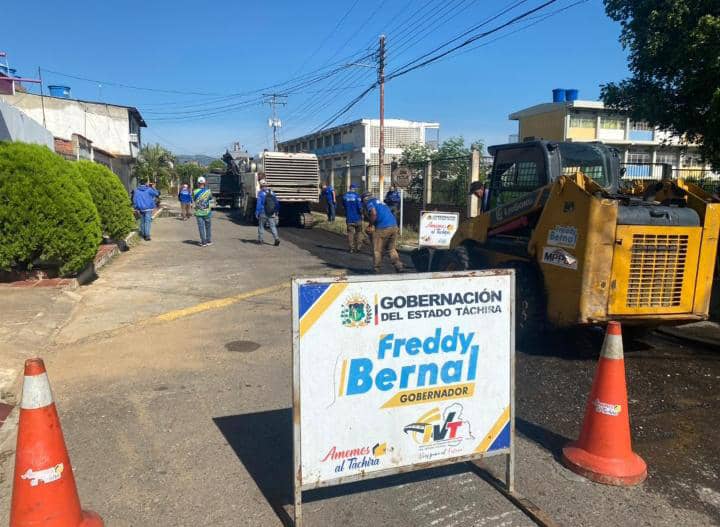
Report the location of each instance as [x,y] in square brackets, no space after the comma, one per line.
[277,242]
[259,242]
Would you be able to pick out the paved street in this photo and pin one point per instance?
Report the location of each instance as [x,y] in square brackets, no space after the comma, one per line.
[172,376]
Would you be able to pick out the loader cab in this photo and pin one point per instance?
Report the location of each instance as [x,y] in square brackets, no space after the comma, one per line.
[521,168]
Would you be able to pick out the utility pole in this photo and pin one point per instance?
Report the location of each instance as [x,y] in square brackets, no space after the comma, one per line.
[275,100]
[381,82]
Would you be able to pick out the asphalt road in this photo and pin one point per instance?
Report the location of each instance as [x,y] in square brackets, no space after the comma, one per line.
[185,420]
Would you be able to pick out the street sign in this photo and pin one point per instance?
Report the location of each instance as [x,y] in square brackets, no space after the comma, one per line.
[402,176]
[394,373]
[437,228]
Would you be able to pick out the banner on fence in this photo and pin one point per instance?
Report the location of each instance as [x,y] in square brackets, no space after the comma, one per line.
[437,228]
[393,372]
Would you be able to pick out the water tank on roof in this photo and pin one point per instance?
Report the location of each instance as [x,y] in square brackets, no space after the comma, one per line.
[571,95]
[558,95]
[59,91]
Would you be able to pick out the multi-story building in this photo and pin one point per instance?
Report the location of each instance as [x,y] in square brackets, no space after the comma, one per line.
[357,143]
[98,131]
[578,120]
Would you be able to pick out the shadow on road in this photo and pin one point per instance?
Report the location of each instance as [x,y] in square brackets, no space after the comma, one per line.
[263,442]
[540,435]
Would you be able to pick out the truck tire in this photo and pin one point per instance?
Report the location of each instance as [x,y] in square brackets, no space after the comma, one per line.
[305,220]
[530,301]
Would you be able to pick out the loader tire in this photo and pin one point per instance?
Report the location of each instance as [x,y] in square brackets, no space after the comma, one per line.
[457,259]
[529,302]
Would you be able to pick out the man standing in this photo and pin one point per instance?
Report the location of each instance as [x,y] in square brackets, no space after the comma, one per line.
[267,211]
[383,231]
[392,200]
[202,199]
[144,203]
[329,194]
[353,218]
[185,198]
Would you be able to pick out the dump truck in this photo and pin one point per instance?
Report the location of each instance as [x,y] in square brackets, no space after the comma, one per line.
[586,247]
[226,184]
[295,179]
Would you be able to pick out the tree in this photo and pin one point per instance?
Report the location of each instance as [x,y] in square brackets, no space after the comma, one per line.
[189,173]
[451,168]
[217,164]
[156,164]
[674,58]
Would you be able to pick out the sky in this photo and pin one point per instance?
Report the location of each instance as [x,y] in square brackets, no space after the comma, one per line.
[203,67]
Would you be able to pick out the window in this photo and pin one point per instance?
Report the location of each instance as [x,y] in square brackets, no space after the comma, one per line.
[582,121]
[612,123]
[639,157]
[516,172]
[304,146]
[336,139]
[326,141]
[669,158]
[640,126]
[587,159]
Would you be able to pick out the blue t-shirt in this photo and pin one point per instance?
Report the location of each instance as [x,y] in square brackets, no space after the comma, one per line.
[185,196]
[385,218]
[353,207]
[328,193]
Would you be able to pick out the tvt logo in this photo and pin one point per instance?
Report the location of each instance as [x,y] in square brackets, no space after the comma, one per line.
[440,428]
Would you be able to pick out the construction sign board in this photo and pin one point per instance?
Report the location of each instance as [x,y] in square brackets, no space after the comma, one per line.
[437,228]
[396,372]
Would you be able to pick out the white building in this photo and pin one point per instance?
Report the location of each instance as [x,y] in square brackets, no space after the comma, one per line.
[357,143]
[102,132]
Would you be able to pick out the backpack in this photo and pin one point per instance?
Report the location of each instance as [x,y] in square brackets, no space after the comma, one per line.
[270,204]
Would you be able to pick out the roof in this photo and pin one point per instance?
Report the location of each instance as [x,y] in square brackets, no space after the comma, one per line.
[548,107]
[388,123]
[131,109]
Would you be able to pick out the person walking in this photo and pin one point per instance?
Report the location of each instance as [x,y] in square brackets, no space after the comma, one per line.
[202,200]
[267,212]
[185,198]
[383,232]
[353,218]
[143,199]
[330,199]
[392,200]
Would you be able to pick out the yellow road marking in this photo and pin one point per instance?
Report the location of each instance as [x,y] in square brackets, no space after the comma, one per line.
[217,304]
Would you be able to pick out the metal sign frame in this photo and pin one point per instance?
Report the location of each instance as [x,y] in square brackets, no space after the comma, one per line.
[509,452]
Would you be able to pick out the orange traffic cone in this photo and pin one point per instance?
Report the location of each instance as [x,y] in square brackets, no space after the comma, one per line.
[44,492]
[603,452]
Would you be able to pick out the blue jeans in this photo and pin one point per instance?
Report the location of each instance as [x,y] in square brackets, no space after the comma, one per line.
[271,222]
[205,228]
[331,211]
[145,222]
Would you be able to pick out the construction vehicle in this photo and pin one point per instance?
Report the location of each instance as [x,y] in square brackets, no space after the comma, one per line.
[295,179]
[585,250]
[225,184]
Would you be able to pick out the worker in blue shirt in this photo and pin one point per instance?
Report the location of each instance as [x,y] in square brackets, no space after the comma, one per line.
[329,194]
[383,232]
[143,200]
[353,218]
[267,212]
[392,200]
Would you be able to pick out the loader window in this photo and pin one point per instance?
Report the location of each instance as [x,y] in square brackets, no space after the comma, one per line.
[586,158]
[516,172]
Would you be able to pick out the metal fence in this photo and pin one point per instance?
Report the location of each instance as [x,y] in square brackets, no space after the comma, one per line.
[707,179]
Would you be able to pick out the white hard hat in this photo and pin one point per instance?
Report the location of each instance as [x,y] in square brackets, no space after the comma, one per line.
[201,179]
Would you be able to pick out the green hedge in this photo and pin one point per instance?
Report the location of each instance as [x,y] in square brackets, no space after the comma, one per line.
[46,212]
[110,198]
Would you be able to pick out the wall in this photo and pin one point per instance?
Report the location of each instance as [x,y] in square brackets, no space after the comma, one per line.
[550,125]
[106,126]
[17,126]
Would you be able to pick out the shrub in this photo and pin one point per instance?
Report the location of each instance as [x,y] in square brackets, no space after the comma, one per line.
[110,198]
[46,212]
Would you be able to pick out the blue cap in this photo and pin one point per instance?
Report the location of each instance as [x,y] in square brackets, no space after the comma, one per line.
[353,185]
